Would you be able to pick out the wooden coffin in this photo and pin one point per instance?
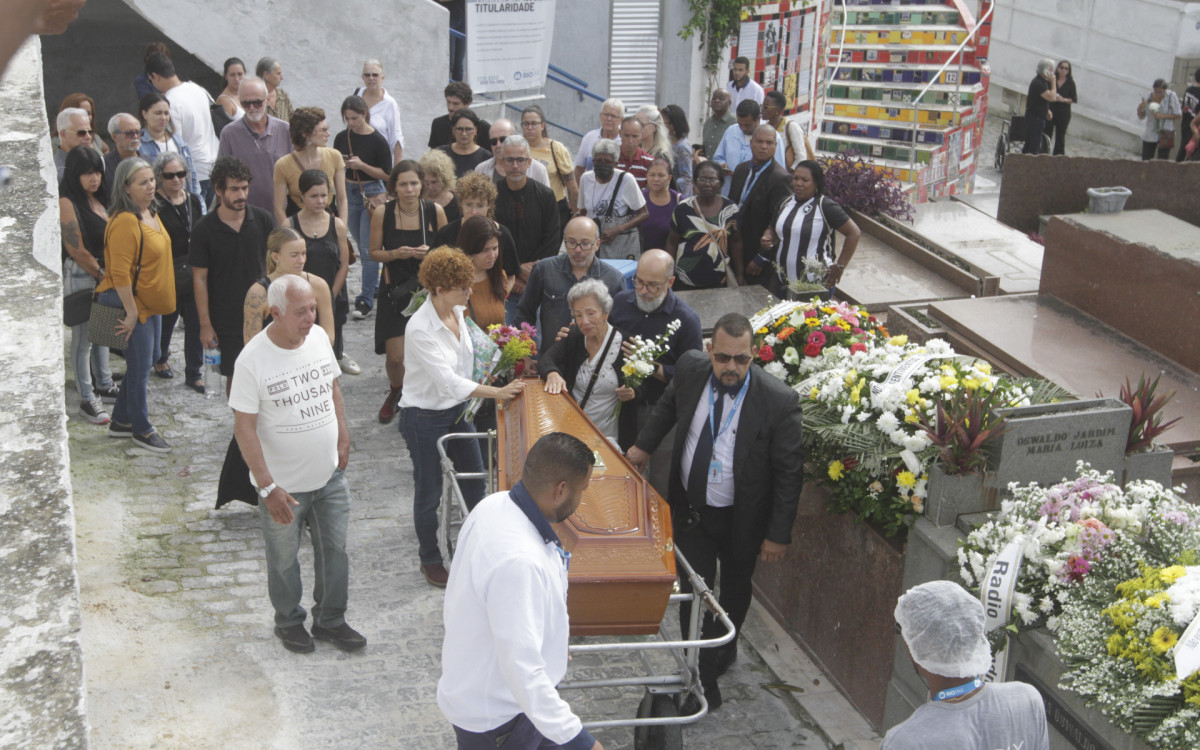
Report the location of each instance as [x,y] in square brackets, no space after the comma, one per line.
[622,555]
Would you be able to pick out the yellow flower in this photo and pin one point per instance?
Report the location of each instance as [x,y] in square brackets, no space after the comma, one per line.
[898,340]
[628,368]
[1115,644]
[949,382]
[851,377]
[836,470]
[762,331]
[1172,574]
[983,367]
[1157,600]
[906,479]
[812,322]
[813,393]
[827,310]
[970,384]
[856,393]
[1163,640]
[912,396]
[912,418]
[843,325]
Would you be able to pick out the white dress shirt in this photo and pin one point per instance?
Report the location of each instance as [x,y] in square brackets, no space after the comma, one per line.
[720,494]
[506,626]
[438,366]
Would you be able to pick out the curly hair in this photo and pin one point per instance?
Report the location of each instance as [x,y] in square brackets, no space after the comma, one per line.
[474,186]
[437,164]
[446,268]
[229,168]
[304,121]
[460,91]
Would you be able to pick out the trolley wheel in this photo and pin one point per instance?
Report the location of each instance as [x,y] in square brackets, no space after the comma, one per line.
[1001,150]
[670,737]
[1046,145]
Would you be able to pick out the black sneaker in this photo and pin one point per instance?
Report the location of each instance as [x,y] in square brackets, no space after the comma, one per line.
[343,636]
[108,395]
[361,310]
[295,638]
[152,442]
[93,412]
[118,430]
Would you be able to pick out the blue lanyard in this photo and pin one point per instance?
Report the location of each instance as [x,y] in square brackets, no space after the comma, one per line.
[961,690]
[732,410]
[566,557]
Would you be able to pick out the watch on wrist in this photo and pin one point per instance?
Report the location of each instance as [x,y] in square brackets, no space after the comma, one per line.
[263,492]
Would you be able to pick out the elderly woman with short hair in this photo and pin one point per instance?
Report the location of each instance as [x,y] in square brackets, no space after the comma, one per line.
[612,198]
[178,210]
[587,362]
[278,103]
[438,384]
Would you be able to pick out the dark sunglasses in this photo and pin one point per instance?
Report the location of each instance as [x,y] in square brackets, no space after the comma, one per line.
[498,141]
[248,103]
[174,175]
[84,133]
[741,359]
[129,133]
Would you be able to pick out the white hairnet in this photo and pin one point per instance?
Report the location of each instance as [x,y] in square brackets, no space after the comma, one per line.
[943,627]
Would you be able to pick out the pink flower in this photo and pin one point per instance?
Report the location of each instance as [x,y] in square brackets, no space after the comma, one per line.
[1077,568]
[858,346]
[817,338]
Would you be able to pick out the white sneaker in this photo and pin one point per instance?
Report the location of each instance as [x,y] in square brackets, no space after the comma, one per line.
[349,366]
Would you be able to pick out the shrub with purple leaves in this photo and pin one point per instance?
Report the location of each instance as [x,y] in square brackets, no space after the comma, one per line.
[854,183]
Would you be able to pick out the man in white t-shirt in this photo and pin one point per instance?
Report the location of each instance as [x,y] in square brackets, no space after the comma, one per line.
[291,428]
[943,628]
[191,118]
[611,113]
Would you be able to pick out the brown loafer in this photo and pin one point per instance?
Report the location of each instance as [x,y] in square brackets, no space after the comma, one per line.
[436,575]
[388,412]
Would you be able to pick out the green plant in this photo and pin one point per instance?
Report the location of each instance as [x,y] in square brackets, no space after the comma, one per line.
[1147,423]
[717,22]
[963,425]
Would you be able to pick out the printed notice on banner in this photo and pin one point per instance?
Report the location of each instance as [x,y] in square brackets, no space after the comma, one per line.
[508,44]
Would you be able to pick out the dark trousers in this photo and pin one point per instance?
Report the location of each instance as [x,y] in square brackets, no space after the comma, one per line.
[1034,127]
[1057,129]
[1150,150]
[710,541]
[518,733]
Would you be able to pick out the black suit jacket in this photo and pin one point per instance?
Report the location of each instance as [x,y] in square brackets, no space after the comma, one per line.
[768,453]
[758,210]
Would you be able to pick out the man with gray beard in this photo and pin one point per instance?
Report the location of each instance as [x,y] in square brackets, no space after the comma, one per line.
[259,140]
[646,311]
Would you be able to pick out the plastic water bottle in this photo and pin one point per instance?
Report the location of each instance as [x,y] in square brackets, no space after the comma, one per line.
[212,372]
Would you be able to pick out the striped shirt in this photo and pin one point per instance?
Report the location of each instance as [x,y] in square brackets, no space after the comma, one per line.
[806,233]
[637,166]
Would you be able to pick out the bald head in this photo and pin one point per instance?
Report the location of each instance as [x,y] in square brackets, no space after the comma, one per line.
[655,276]
[583,228]
[762,144]
[501,128]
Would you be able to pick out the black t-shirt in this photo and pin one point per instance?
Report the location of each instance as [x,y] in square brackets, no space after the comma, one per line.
[466,164]
[440,133]
[1035,105]
[1191,101]
[1062,110]
[234,260]
[372,148]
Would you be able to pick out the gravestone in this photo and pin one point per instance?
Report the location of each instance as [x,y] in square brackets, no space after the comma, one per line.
[711,304]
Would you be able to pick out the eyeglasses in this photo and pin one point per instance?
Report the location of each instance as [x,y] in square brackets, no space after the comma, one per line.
[707,180]
[464,131]
[531,124]
[129,133]
[579,244]
[498,141]
[84,133]
[253,103]
[609,116]
[372,75]
[741,359]
[174,175]
[515,161]
[649,286]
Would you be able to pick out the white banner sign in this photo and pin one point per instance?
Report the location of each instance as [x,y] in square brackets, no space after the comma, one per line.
[1187,651]
[508,43]
[996,595]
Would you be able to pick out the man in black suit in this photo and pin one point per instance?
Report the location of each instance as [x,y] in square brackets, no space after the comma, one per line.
[759,187]
[736,474]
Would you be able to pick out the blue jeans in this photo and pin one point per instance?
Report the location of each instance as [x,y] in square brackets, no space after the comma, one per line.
[421,429]
[360,229]
[85,356]
[131,407]
[327,511]
[522,735]
[193,350]
[207,194]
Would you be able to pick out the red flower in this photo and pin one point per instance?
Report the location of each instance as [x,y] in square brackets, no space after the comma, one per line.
[812,350]
[810,313]
[871,318]
[858,346]
[849,463]
[817,338]
[766,354]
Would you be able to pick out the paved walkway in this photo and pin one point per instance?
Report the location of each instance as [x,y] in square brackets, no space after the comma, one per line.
[177,628]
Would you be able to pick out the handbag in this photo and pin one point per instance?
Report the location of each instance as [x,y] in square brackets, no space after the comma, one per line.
[103,319]
[1166,139]
[77,307]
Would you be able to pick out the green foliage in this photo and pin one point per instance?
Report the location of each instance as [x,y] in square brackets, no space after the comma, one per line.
[964,423]
[717,23]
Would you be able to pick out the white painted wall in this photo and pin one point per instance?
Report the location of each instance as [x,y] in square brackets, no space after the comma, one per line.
[322,58]
[1117,49]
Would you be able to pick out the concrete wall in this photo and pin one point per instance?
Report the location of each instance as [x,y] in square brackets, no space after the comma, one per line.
[41,663]
[1116,47]
[1036,186]
[322,61]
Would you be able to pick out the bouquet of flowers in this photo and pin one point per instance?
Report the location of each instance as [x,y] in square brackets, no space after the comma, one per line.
[497,354]
[1078,530]
[1118,644]
[812,279]
[865,395]
[641,363]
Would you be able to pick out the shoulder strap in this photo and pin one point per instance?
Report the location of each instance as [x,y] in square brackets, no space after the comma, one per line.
[554,158]
[612,202]
[587,393]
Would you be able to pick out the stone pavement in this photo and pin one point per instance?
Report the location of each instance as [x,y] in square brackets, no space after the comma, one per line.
[177,628]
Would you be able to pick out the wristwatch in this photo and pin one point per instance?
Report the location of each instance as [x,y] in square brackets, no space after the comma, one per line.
[263,492]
